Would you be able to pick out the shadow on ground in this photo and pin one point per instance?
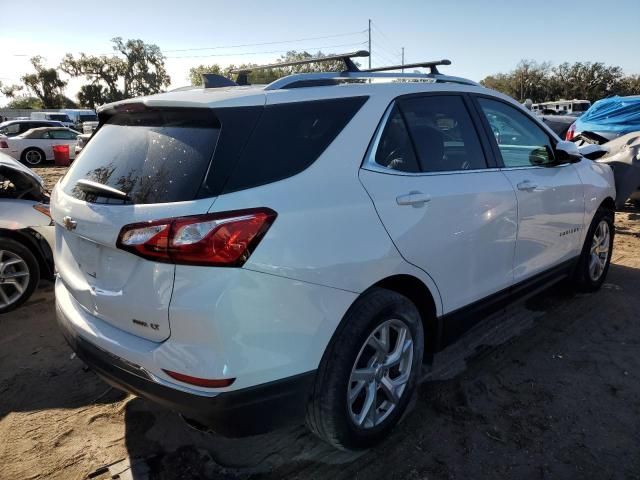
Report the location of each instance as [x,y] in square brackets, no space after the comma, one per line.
[546,389]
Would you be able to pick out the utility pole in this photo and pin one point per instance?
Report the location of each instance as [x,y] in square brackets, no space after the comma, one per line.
[403,59]
[369,43]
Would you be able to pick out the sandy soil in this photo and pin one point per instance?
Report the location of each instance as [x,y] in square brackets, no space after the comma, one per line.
[549,389]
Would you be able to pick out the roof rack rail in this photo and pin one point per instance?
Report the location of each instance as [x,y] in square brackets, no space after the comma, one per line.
[334,78]
[243,73]
[433,66]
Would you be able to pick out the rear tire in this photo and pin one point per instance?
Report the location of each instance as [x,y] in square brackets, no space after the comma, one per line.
[33,157]
[19,274]
[369,372]
[595,258]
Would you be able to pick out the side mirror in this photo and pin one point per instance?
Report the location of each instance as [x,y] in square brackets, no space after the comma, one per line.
[567,152]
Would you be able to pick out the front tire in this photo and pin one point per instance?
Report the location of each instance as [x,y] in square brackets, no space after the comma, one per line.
[19,274]
[369,372]
[595,259]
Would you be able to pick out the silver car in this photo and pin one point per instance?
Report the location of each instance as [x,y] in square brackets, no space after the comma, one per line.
[26,233]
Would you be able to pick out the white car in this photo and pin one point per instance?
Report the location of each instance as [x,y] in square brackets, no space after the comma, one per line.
[249,256]
[26,233]
[35,146]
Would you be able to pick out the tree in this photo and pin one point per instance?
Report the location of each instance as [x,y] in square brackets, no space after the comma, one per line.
[139,70]
[92,95]
[530,79]
[591,81]
[195,73]
[144,72]
[25,101]
[630,85]
[269,75]
[540,82]
[10,90]
[102,71]
[45,84]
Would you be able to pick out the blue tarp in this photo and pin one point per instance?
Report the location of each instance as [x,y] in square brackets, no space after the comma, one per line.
[618,115]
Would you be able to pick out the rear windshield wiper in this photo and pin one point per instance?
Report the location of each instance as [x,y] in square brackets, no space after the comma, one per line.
[89,186]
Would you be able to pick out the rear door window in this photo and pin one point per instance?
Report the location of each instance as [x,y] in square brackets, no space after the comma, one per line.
[443,133]
[426,134]
[155,156]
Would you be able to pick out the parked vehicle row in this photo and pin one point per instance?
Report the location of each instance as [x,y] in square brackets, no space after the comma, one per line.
[323,238]
[69,117]
[35,146]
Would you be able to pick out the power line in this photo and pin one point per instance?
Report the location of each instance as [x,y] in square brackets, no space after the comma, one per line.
[388,52]
[375,26]
[270,51]
[221,47]
[267,43]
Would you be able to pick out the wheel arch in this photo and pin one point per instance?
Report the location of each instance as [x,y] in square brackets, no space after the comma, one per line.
[29,239]
[417,291]
[609,204]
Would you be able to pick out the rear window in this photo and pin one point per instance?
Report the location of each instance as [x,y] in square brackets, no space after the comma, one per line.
[88,118]
[155,156]
[288,138]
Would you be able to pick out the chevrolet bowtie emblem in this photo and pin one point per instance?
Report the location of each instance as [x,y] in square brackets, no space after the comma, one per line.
[69,223]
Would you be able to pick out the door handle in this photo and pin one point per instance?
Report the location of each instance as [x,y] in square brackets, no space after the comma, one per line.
[415,199]
[527,185]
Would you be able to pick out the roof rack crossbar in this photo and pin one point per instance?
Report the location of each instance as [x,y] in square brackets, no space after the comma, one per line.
[433,66]
[350,66]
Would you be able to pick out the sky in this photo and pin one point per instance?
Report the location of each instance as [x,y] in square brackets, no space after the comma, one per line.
[480,37]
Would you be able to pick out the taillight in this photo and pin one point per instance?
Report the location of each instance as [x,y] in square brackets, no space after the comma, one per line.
[43,208]
[4,144]
[570,132]
[218,239]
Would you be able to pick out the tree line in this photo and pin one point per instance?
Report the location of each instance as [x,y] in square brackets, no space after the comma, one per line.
[543,82]
[138,70]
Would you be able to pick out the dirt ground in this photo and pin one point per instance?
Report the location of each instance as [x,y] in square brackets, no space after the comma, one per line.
[548,389]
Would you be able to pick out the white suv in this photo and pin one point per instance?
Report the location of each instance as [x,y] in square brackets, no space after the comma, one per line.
[249,255]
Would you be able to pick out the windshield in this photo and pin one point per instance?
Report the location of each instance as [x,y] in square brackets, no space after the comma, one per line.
[89,118]
[153,156]
[581,107]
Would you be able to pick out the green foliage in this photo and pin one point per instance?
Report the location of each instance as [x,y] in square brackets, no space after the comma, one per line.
[268,76]
[45,84]
[10,90]
[584,80]
[138,71]
[92,95]
[25,101]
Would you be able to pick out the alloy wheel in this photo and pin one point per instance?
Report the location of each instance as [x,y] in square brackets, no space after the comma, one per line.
[33,157]
[14,278]
[380,374]
[600,245]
